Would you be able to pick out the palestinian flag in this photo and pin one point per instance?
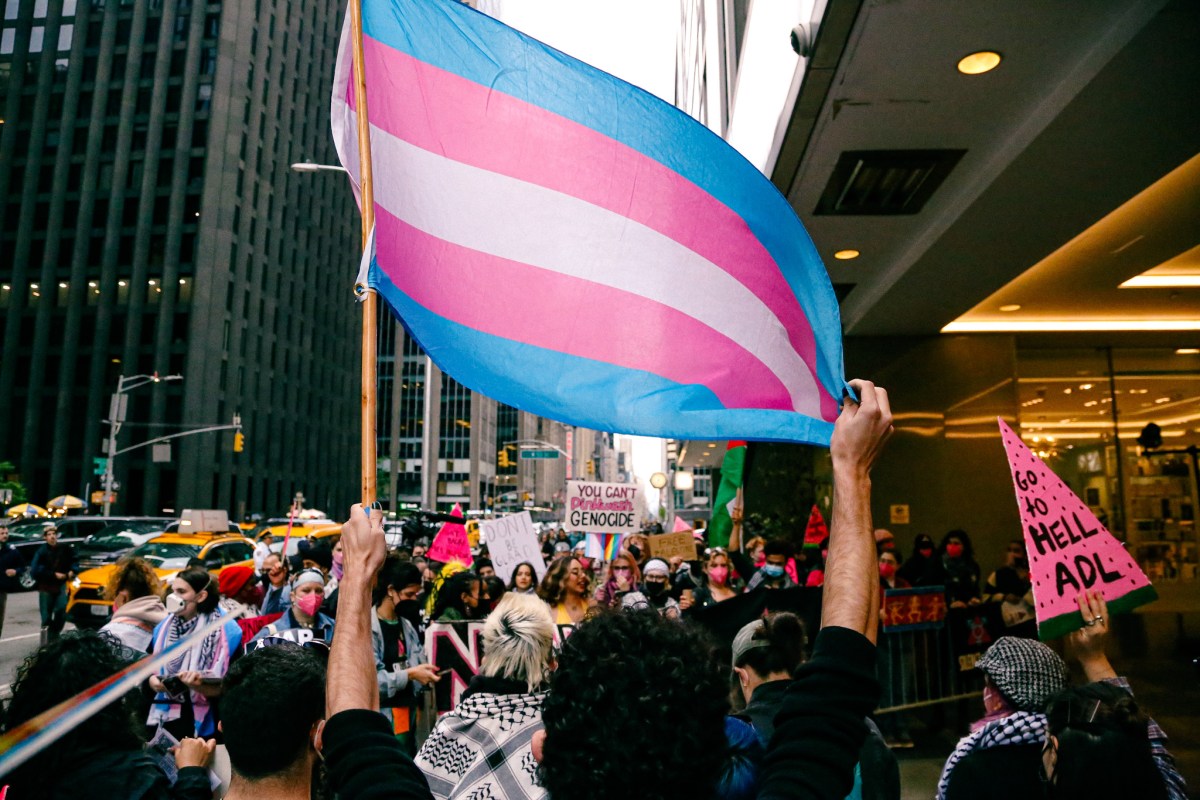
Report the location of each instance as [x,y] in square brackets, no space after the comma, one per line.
[731,480]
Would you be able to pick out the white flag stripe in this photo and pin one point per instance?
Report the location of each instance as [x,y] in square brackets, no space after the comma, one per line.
[506,217]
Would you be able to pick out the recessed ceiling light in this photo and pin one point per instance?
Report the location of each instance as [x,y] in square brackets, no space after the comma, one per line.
[1056,326]
[1085,386]
[979,63]
[1188,351]
[1011,307]
[846,255]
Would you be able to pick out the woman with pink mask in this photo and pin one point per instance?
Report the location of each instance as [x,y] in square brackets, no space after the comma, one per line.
[622,577]
[303,621]
[718,585]
[962,573]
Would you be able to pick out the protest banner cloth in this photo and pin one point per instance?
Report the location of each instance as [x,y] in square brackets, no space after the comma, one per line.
[451,545]
[1069,550]
[511,540]
[922,608]
[723,620]
[594,507]
[668,545]
[456,649]
[972,631]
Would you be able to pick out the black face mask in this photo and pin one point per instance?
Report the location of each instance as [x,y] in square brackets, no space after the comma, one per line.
[411,611]
[655,590]
[635,551]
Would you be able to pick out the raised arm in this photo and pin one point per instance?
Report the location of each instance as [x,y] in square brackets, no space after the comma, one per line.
[851,584]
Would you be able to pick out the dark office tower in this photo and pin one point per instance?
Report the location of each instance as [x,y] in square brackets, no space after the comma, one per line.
[149,223]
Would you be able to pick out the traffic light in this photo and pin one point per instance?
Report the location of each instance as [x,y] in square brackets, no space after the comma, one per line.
[239,442]
[502,458]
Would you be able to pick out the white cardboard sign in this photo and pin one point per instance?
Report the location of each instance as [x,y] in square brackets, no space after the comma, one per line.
[510,541]
[594,507]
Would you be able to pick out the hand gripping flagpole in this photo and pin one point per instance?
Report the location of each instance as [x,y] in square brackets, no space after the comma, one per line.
[369,297]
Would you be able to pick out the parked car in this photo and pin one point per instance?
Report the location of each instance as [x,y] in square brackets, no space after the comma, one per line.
[27,536]
[111,544]
[168,554]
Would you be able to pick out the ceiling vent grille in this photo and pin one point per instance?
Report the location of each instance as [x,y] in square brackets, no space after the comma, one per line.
[885,181]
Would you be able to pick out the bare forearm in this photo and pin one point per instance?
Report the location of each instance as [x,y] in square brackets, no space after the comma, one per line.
[1097,668]
[851,598]
[735,536]
[352,681]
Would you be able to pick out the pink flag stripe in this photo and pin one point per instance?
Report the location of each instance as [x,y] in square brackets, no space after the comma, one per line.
[562,155]
[440,275]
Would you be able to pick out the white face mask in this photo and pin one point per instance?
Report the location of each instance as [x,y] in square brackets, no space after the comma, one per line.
[174,603]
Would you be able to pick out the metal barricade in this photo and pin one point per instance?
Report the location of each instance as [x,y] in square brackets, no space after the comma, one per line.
[919,668]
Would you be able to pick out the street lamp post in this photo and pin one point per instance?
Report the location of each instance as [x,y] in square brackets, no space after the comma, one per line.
[116,415]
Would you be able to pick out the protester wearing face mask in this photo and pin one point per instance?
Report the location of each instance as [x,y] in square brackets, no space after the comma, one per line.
[889,563]
[303,621]
[718,583]
[241,595]
[962,573]
[185,684]
[923,567]
[622,577]
[773,573]
[400,665]
[655,591]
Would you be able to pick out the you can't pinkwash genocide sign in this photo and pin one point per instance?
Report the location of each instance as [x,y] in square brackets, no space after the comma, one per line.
[1069,550]
[594,507]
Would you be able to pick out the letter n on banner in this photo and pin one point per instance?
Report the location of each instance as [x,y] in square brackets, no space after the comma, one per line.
[456,649]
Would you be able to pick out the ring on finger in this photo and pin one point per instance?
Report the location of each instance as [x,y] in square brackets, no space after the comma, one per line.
[1099,620]
[1090,623]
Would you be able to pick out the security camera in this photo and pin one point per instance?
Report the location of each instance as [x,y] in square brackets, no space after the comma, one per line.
[800,41]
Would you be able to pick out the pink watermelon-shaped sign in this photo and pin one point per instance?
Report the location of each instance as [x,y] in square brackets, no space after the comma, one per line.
[451,544]
[1069,550]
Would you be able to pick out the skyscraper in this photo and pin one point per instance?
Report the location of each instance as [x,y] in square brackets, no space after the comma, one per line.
[149,223]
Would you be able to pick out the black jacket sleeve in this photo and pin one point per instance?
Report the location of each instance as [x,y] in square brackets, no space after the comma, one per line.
[365,761]
[192,784]
[744,566]
[819,729]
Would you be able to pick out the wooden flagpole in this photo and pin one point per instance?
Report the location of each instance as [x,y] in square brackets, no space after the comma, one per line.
[370,299]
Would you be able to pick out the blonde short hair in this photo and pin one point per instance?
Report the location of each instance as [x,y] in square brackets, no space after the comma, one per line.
[518,640]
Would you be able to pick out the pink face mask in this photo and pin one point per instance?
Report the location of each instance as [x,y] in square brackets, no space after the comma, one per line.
[718,574]
[309,604]
[954,550]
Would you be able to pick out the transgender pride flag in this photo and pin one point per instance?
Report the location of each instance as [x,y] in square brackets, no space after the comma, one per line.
[564,242]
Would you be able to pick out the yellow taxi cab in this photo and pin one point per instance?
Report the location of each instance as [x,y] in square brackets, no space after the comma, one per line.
[314,528]
[168,554]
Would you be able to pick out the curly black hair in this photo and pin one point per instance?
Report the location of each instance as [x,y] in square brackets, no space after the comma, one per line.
[56,672]
[637,705]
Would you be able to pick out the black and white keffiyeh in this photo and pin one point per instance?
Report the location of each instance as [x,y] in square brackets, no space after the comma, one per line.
[483,749]
[1023,727]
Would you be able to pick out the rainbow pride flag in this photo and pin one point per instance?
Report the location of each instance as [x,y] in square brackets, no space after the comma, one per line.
[566,243]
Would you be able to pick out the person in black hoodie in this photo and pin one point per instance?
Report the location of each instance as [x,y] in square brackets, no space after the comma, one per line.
[961,571]
[819,729]
[102,756]
[923,567]
[11,565]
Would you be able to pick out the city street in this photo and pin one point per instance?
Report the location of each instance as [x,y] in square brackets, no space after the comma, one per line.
[21,628]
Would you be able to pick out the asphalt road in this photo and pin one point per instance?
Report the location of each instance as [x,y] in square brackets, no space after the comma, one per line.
[22,629]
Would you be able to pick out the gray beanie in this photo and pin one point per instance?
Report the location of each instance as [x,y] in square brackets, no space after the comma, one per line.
[1027,672]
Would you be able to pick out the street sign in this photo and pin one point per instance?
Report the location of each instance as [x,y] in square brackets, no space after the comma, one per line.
[539,454]
[99,466]
[161,453]
[98,498]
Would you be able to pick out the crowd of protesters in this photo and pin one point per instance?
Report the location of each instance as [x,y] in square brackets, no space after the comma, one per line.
[310,672]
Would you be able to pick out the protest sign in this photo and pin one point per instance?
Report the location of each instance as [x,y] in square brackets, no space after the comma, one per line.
[816,531]
[668,545]
[512,540]
[681,526]
[922,608]
[1069,550]
[972,631]
[451,545]
[594,507]
[456,649]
